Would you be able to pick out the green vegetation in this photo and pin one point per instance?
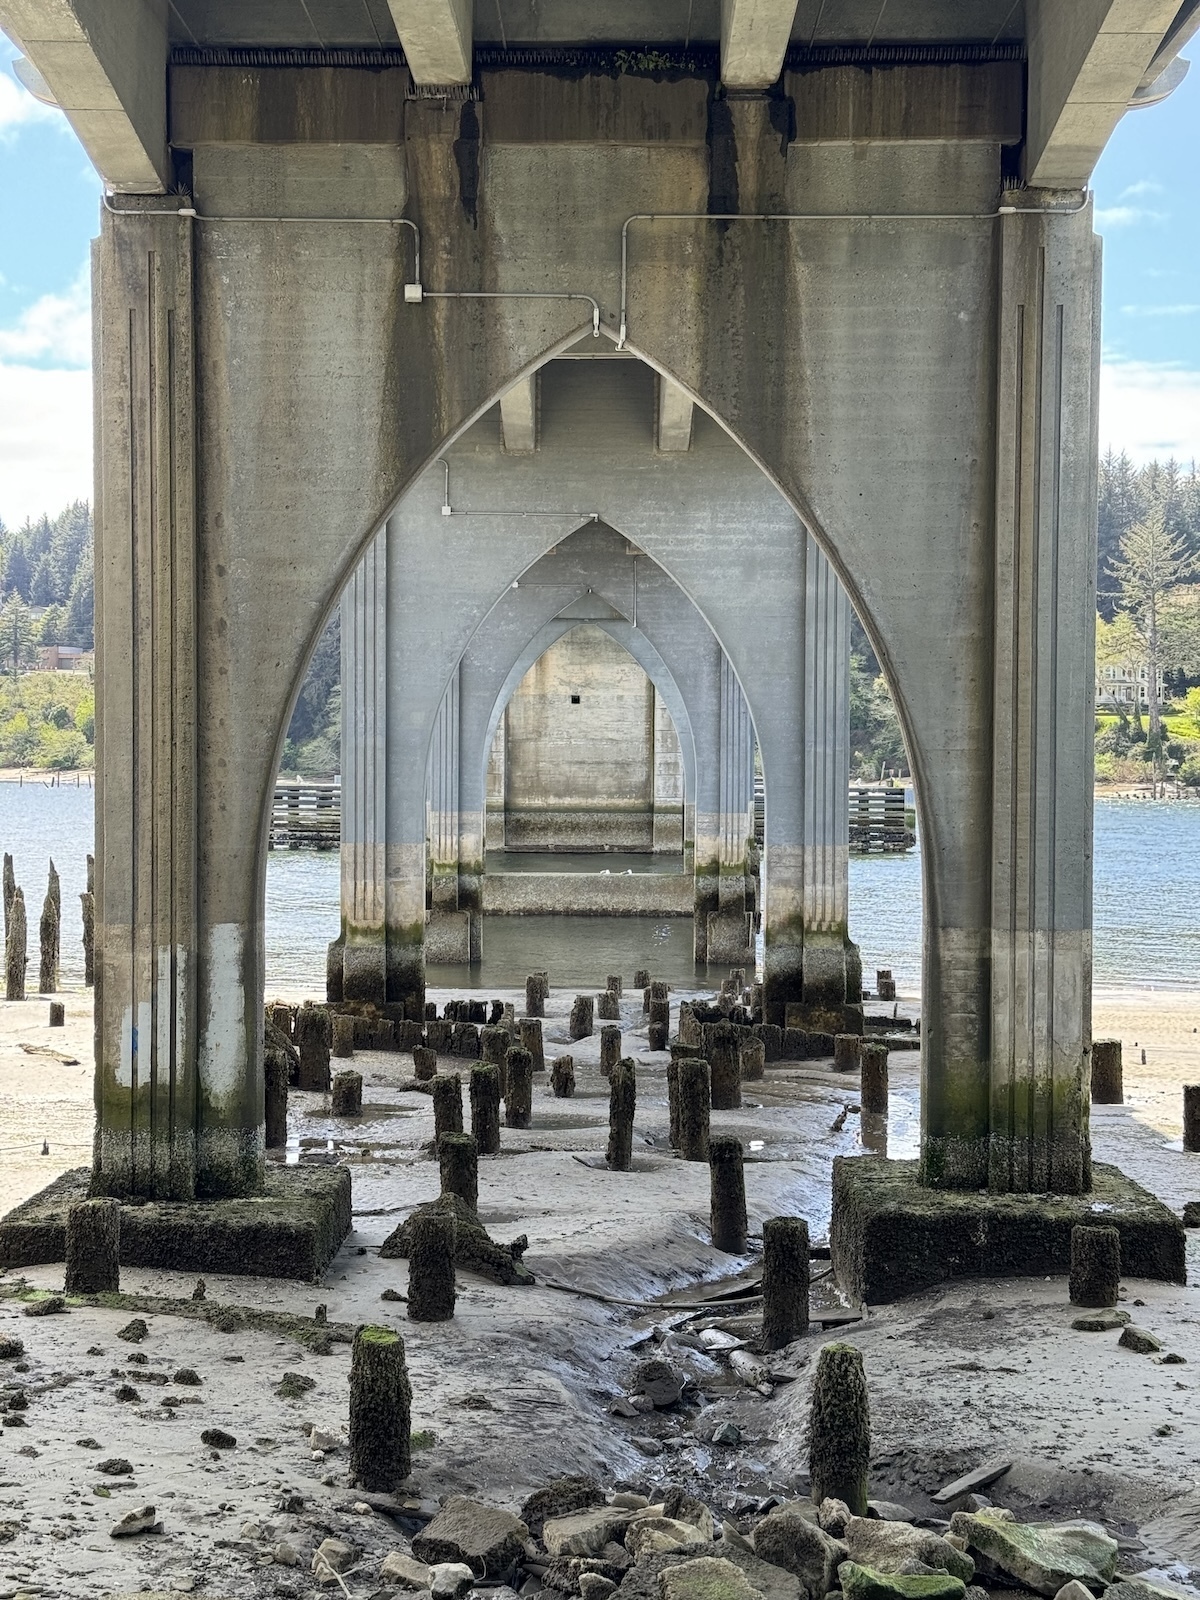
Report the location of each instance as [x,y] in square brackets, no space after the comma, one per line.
[48,564]
[313,747]
[47,719]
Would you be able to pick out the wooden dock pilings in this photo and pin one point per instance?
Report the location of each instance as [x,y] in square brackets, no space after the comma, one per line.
[306,816]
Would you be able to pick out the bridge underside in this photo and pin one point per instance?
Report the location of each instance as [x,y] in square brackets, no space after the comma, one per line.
[864,255]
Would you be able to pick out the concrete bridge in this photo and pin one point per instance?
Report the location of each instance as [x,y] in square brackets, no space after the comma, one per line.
[850,245]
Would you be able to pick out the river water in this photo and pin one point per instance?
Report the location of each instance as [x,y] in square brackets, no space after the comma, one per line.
[1147,906]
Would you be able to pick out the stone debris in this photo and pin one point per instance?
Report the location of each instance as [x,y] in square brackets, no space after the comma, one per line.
[1038,1556]
[134,1332]
[1139,1340]
[483,1537]
[50,1305]
[115,1467]
[143,1520]
[988,1472]
[404,1571]
[449,1579]
[1106,1321]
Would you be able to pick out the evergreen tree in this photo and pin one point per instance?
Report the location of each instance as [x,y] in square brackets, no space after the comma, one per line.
[1150,564]
[79,622]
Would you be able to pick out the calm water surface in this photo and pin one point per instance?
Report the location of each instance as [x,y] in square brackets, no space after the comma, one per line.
[1147,904]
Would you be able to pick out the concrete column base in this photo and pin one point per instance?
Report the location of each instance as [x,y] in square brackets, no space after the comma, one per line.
[729,938]
[448,938]
[891,1236]
[364,971]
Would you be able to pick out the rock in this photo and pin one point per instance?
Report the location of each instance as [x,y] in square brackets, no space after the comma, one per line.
[51,1306]
[685,1507]
[727,1433]
[487,1539]
[585,1533]
[1074,1591]
[285,1555]
[656,1536]
[594,1586]
[658,1381]
[1140,1340]
[981,1477]
[970,1502]
[1100,1321]
[449,1579]
[833,1517]
[706,1578]
[126,1392]
[629,1500]
[885,1546]
[559,1498]
[621,1407]
[865,1583]
[1042,1556]
[647,1445]
[188,1377]
[318,1439]
[11,1349]
[217,1439]
[134,1332]
[404,1571]
[1191,1214]
[143,1520]
[788,1539]
[1128,1587]
[115,1467]
[891,1511]
[732,1539]
[335,1554]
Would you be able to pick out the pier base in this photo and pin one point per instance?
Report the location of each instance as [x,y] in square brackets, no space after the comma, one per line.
[892,1237]
[292,1229]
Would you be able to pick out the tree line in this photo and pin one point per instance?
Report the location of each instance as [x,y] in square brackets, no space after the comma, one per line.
[47,564]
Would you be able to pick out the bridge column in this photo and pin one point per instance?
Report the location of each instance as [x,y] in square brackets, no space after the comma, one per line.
[1041,945]
[729,927]
[705,696]
[453,932]
[178,1110]
[809,959]
[363,942]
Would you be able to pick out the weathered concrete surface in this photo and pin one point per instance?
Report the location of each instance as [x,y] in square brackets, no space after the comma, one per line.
[637,894]
[855,357]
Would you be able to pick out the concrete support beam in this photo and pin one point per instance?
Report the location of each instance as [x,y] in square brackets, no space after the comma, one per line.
[674,416]
[452,933]
[364,788]
[1086,60]
[436,35]
[166,1129]
[518,417]
[730,936]
[105,62]
[754,39]
[1043,688]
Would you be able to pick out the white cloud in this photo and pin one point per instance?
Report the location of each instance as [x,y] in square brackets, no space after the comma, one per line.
[1143,186]
[55,329]
[1126,216]
[1185,310]
[1150,408]
[45,440]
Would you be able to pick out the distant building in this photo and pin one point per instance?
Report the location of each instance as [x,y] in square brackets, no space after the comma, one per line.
[1122,688]
[65,658]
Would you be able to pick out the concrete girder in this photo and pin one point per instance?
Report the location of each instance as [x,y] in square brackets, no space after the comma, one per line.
[105,61]
[754,40]
[518,416]
[674,416]
[437,38]
[1086,60]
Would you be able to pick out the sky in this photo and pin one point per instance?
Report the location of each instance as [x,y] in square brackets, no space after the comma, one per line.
[1147,190]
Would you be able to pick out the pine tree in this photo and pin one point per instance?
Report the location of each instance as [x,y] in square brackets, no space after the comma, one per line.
[1151,563]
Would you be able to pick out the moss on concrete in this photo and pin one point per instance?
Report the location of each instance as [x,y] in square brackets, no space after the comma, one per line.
[892,1236]
[291,1229]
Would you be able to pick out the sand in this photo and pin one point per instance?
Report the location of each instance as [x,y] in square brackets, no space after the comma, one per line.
[518,1387]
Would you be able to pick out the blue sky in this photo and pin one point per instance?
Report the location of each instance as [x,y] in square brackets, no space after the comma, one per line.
[1147,189]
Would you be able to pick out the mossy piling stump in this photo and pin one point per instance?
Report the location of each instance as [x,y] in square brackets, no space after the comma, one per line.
[846,1052]
[622,1107]
[728,1194]
[87,905]
[275,1098]
[15,955]
[425,1063]
[58,1014]
[485,1108]
[1095,1266]
[725,1064]
[518,1088]
[641,979]
[431,1267]
[839,1429]
[530,1030]
[458,1164]
[695,1100]
[873,1056]
[446,1088]
[313,1033]
[608,1007]
[785,1281]
[1108,1087]
[93,1247]
[673,1103]
[347,1094]
[752,1060]
[614,983]
[49,937]
[610,1048]
[343,1037]
[380,1411]
[1191,1116]
[562,1077]
[582,1009]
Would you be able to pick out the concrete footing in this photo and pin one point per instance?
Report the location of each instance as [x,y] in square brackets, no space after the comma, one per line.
[291,1229]
[891,1236]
